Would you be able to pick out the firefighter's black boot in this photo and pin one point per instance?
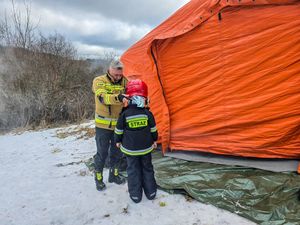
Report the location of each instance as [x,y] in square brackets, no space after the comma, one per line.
[114,176]
[99,181]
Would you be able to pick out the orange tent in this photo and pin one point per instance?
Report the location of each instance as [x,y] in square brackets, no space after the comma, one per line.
[224,77]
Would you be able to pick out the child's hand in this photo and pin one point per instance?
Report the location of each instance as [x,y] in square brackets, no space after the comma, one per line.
[125,100]
[118,145]
[154,145]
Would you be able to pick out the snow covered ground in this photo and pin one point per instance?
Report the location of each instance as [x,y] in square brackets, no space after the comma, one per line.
[44,181]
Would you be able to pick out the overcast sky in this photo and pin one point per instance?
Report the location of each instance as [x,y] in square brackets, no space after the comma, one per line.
[95,26]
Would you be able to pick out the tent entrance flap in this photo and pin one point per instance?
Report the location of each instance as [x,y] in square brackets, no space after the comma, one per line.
[165,117]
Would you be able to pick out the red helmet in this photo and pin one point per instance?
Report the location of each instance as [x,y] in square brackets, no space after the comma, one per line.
[137,87]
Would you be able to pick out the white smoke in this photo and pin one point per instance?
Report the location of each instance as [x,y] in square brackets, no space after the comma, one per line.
[8,67]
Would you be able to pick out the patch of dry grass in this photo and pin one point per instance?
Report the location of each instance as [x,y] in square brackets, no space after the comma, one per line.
[79,132]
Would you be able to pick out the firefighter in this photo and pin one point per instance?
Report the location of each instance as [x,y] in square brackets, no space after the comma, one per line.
[136,136]
[109,99]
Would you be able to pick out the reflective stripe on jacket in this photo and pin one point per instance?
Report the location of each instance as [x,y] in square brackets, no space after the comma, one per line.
[105,120]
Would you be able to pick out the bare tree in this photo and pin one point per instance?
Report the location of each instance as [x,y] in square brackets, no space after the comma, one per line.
[1,32]
[17,28]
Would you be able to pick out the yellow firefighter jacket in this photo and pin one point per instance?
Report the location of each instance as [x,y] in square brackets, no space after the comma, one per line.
[107,104]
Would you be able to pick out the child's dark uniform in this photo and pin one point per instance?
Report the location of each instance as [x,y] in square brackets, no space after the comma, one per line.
[136,131]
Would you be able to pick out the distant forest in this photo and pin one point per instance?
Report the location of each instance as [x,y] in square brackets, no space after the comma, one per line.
[42,79]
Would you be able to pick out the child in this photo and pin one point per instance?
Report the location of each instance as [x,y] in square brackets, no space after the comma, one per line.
[136,136]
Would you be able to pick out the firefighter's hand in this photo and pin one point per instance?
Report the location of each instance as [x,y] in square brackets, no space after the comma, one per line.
[118,145]
[123,98]
[154,145]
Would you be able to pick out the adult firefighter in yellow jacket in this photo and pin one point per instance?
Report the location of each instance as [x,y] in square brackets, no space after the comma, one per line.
[109,98]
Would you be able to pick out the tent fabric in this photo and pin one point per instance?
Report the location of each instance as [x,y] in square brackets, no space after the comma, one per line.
[274,165]
[224,77]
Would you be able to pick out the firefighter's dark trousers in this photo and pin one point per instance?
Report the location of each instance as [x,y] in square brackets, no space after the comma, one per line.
[141,177]
[106,146]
